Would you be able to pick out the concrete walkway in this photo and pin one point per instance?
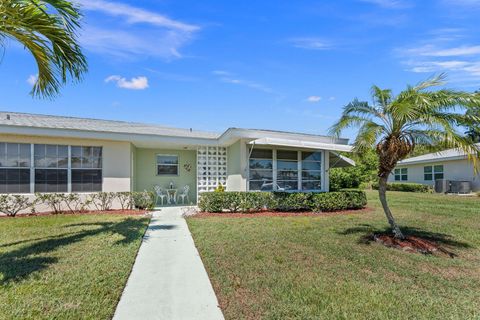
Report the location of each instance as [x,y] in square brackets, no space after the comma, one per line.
[168,280]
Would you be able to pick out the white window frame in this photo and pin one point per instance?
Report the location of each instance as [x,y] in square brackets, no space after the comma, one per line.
[299,169]
[434,172]
[400,174]
[32,166]
[170,165]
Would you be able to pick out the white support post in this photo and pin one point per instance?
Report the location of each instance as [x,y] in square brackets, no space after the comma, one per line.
[32,168]
[69,170]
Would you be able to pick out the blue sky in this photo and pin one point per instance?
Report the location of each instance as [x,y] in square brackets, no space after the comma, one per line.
[285,65]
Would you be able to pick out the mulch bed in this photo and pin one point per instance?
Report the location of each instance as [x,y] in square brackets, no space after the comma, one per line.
[117,212]
[279,214]
[412,244]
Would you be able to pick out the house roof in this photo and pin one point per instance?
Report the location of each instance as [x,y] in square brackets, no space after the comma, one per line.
[97,125]
[446,155]
[140,134]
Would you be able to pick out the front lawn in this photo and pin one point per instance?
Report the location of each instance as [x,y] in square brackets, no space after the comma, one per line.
[66,266]
[323,268]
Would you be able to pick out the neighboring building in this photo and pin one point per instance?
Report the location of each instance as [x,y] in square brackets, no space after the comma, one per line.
[452,164]
[41,153]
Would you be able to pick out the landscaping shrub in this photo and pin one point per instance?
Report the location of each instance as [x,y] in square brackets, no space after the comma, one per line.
[125,200]
[234,201]
[287,201]
[144,200]
[281,201]
[12,204]
[405,187]
[74,203]
[103,200]
[342,200]
[52,200]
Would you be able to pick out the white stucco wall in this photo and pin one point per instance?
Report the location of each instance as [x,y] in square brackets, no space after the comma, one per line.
[461,170]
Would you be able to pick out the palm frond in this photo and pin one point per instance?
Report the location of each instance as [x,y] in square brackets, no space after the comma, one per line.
[47,28]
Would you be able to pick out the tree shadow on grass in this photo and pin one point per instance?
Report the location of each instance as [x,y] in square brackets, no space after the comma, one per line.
[367,231]
[17,264]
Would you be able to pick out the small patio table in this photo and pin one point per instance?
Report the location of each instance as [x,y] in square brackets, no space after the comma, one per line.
[172,196]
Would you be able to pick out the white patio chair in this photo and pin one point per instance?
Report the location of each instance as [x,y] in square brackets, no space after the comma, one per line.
[184,194]
[159,193]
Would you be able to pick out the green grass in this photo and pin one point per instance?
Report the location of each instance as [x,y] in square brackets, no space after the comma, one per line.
[66,266]
[322,268]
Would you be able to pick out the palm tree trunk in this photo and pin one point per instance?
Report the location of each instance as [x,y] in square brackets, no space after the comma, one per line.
[382,192]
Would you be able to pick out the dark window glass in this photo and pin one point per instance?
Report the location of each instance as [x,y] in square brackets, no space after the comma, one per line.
[14,167]
[260,164]
[287,175]
[287,155]
[167,169]
[312,156]
[287,185]
[51,180]
[264,185]
[311,175]
[261,154]
[51,156]
[14,155]
[311,185]
[86,180]
[260,174]
[14,180]
[167,165]
[287,165]
[86,157]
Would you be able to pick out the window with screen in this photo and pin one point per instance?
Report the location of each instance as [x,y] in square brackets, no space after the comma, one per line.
[86,163]
[15,162]
[261,170]
[401,174]
[287,170]
[51,168]
[433,172]
[167,165]
[311,170]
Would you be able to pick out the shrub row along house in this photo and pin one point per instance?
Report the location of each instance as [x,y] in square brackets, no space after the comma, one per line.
[42,153]
[448,165]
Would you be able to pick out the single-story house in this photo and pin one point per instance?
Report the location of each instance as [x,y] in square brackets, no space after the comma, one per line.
[450,165]
[44,153]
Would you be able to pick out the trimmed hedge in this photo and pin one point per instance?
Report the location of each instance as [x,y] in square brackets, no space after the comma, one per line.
[281,201]
[405,187]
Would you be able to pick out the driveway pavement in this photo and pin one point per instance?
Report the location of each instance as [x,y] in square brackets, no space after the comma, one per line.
[168,280]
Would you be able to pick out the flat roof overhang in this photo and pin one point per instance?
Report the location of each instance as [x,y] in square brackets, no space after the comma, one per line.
[300,144]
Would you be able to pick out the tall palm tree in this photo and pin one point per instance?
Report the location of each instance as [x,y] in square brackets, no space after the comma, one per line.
[395,124]
[46,28]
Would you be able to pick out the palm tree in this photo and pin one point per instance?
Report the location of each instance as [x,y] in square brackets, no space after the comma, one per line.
[395,124]
[46,28]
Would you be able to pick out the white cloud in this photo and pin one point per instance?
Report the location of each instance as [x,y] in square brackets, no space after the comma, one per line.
[445,52]
[311,43]
[435,51]
[135,33]
[136,83]
[314,99]
[136,15]
[331,98]
[389,4]
[32,79]
[229,77]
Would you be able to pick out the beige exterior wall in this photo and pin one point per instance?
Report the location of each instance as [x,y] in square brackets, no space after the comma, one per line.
[146,171]
[461,170]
